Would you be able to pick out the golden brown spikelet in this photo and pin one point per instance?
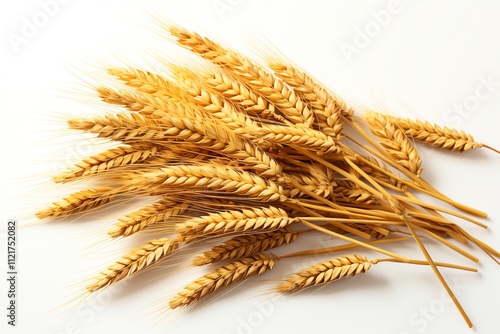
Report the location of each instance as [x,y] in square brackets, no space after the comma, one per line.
[78,202]
[246,245]
[210,283]
[137,260]
[325,272]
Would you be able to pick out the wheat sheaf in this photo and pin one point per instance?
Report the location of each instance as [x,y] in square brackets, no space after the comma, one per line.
[248,156]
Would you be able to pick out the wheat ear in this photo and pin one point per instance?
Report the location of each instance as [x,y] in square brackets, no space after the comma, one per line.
[217,106]
[309,139]
[246,245]
[378,170]
[135,261]
[149,83]
[146,216]
[208,133]
[231,90]
[327,107]
[435,135]
[110,159]
[130,101]
[254,76]
[254,219]
[395,142]
[240,96]
[221,277]
[318,180]
[78,202]
[325,272]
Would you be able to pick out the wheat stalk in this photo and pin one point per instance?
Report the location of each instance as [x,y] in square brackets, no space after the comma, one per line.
[246,245]
[135,261]
[181,153]
[325,272]
[143,104]
[231,273]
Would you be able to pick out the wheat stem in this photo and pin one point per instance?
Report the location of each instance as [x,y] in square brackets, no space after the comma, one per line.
[438,274]
[354,241]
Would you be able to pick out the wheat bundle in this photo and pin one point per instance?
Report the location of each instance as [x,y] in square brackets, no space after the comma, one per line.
[252,156]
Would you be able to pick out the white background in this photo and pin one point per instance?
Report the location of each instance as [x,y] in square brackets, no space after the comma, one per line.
[425,59]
